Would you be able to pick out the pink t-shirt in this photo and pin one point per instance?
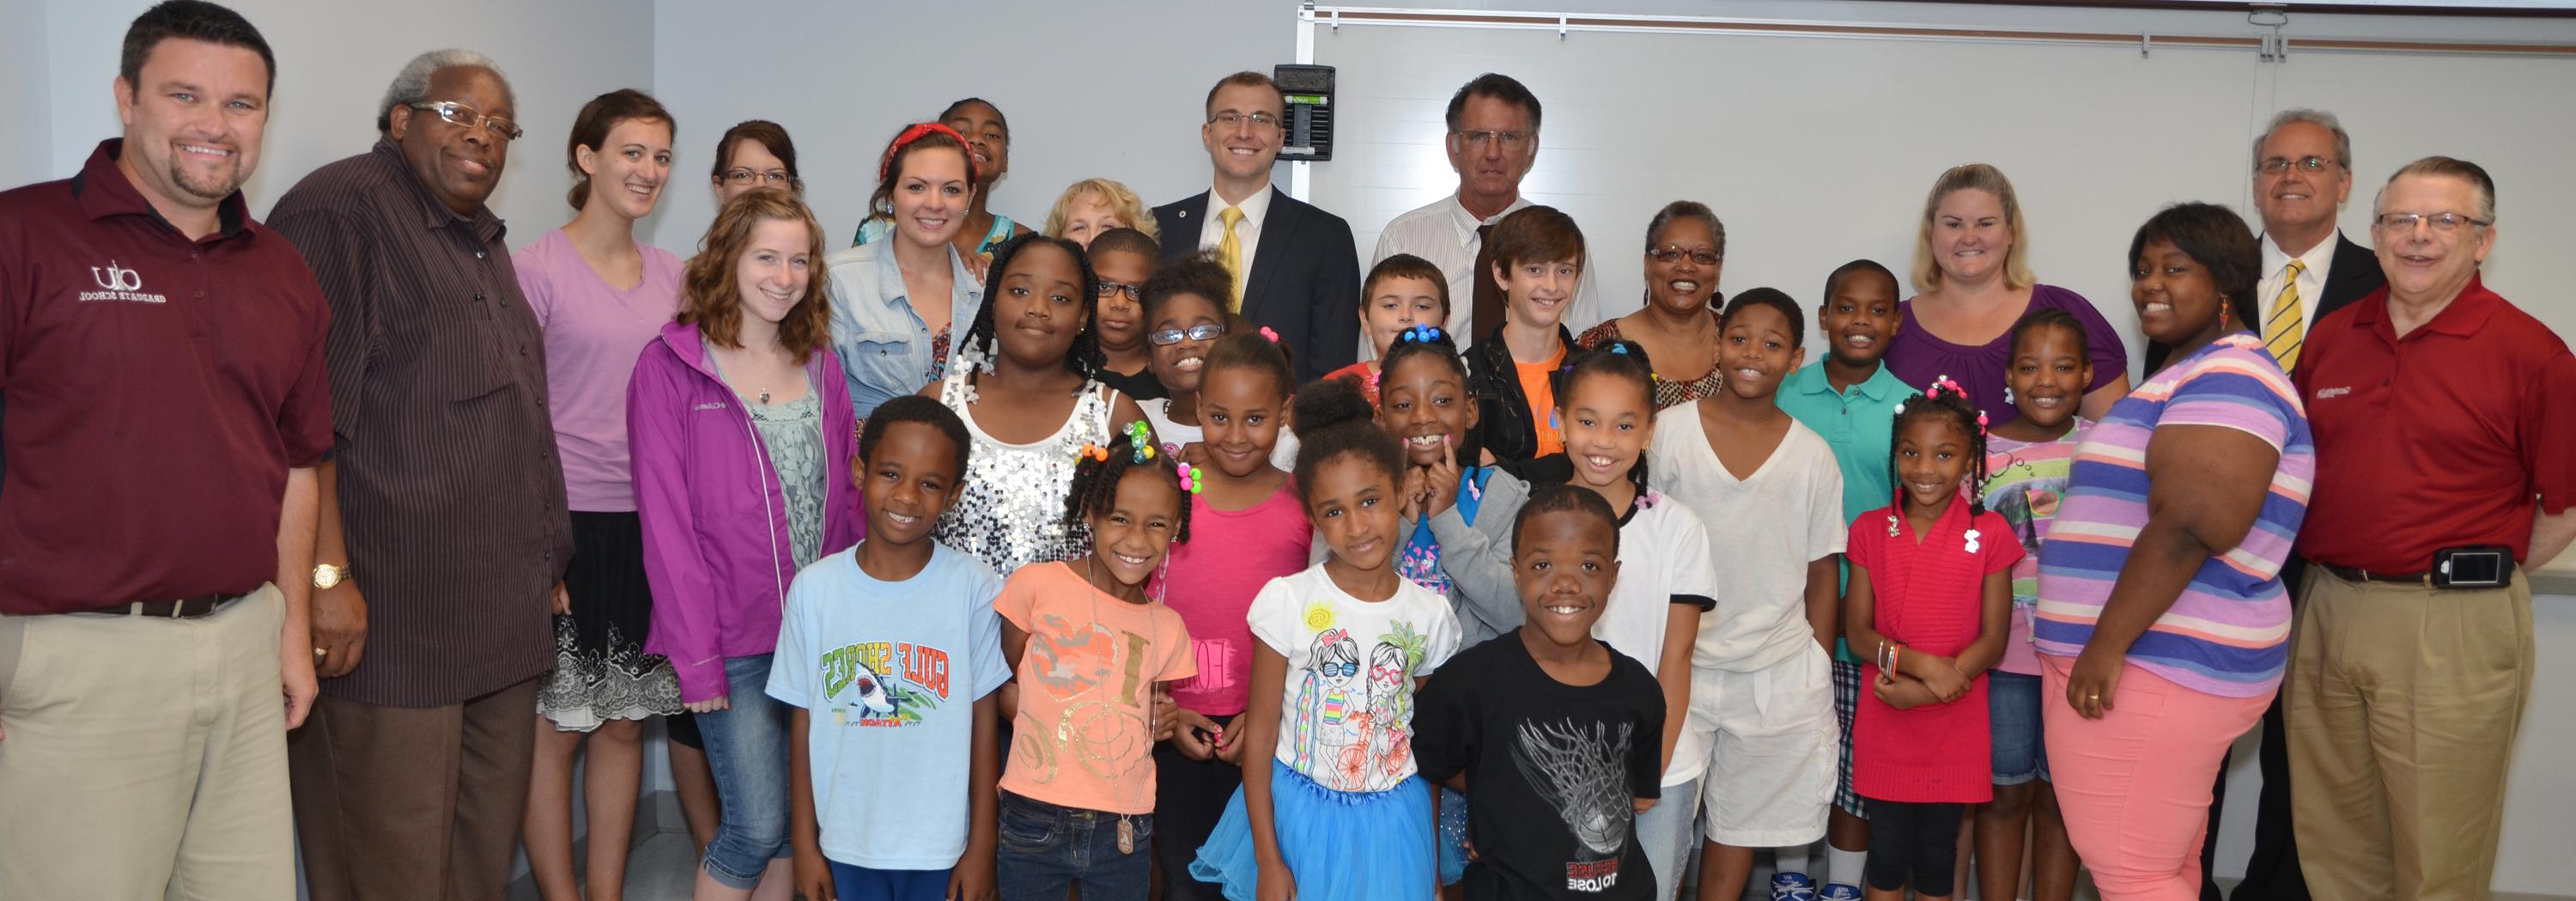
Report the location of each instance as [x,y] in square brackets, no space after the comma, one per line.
[2024,483]
[594,332]
[1211,582]
[1087,678]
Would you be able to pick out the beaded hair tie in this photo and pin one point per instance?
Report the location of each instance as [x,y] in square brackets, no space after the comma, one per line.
[1138,434]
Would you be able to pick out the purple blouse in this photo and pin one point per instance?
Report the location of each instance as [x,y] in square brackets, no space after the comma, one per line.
[1917,356]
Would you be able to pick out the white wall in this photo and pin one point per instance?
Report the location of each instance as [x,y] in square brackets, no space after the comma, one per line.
[23,102]
[334,60]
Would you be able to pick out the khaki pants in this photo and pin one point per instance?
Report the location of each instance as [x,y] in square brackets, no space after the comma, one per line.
[413,803]
[2403,702]
[145,757]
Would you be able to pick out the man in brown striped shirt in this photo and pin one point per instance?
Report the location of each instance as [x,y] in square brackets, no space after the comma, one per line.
[443,527]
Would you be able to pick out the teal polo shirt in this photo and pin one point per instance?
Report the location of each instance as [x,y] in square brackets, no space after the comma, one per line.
[1859,424]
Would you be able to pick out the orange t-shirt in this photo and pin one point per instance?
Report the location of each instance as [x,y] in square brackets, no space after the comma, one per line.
[1081,739]
[1542,400]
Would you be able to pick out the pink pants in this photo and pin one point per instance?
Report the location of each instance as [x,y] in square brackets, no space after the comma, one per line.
[2134,785]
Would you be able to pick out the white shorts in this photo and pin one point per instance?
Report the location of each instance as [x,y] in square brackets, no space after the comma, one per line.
[1774,747]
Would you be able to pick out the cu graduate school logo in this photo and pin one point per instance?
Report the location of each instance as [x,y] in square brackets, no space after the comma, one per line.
[118,283]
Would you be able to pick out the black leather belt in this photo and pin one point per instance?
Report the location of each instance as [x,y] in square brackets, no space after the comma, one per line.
[2350,574]
[183,608]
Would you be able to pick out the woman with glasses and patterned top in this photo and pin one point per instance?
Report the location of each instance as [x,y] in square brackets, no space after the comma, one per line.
[1972,265]
[755,154]
[600,295]
[988,144]
[1685,248]
[889,322]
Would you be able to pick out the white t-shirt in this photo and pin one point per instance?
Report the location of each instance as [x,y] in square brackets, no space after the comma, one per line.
[1346,712]
[1158,413]
[1663,552]
[1762,533]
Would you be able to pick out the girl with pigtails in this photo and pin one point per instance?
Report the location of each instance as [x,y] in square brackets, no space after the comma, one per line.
[1927,609]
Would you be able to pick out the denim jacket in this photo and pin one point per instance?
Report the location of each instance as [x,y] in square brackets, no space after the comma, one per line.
[883,345]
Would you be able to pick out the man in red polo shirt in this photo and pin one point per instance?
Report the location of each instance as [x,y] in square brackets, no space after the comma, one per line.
[2443,417]
[162,406]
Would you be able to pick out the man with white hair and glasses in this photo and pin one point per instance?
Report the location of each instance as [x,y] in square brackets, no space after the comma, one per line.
[443,532]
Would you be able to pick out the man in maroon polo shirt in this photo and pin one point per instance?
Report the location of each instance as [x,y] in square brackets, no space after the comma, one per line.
[2443,417]
[162,408]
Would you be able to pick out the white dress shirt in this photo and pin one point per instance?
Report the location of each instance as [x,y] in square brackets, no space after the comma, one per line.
[1247,233]
[2312,280]
[1445,233]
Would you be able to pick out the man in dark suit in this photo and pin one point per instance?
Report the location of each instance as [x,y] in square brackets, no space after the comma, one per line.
[2302,174]
[1296,269]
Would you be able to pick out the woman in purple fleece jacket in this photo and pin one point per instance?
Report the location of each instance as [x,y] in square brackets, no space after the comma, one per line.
[741,429]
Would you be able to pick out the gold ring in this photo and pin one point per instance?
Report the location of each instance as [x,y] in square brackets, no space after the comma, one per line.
[319,653]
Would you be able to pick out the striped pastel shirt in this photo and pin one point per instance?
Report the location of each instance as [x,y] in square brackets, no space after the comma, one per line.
[2228,634]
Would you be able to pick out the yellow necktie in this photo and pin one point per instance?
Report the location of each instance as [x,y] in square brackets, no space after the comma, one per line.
[1229,253]
[2282,331]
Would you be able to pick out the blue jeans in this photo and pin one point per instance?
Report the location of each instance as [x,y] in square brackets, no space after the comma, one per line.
[851,882]
[747,753]
[1668,831]
[2012,710]
[1044,848]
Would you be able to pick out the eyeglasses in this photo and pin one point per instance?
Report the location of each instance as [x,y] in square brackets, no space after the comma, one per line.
[1230,120]
[2277,165]
[2441,222]
[1135,293]
[1673,253]
[742,176]
[1338,670]
[1512,140]
[1205,331]
[458,114]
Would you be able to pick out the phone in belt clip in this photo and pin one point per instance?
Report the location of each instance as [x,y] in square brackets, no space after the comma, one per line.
[2483,566]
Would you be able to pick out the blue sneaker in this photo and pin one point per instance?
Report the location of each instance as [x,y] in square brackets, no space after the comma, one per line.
[1792,887]
[1836,891]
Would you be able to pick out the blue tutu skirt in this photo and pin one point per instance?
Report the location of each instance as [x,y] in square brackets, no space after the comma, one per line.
[1346,846]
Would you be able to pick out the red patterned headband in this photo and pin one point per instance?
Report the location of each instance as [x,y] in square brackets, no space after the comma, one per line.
[918,131]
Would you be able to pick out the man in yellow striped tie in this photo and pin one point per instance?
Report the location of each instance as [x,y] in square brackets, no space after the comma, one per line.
[1296,270]
[2302,176]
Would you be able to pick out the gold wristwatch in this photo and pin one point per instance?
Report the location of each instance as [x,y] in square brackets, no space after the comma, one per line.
[327,576]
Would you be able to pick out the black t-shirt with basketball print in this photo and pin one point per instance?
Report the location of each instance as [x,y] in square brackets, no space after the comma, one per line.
[1552,770]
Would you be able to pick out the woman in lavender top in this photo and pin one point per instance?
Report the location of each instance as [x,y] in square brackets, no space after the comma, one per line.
[600,295]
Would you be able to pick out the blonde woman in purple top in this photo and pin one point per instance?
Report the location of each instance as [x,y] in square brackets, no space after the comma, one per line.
[1971,265]
[600,295]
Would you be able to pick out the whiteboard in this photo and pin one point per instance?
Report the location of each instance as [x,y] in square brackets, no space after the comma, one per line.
[1818,150]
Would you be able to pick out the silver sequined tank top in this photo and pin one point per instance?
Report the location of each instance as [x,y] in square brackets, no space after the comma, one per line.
[1012,510]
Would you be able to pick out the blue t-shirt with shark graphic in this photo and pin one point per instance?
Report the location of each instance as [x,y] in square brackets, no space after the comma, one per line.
[889,673]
